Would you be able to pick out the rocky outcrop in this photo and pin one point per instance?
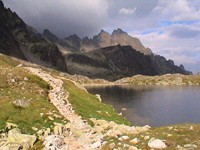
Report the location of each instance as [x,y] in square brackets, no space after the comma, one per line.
[15,140]
[73,41]
[104,39]
[116,62]
[21,41]
[62,44]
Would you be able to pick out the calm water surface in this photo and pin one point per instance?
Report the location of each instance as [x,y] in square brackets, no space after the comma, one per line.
[153,105]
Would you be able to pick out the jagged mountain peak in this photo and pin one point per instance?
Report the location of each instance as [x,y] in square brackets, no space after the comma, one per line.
[73,36]
[103,32]
[50,36]
[118,32]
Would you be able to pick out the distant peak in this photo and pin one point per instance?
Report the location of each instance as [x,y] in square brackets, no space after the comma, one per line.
[73,37]
[46,31]
[182,67]
[118,31]
[103,32]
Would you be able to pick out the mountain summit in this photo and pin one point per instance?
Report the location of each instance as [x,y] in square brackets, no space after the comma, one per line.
[118,37]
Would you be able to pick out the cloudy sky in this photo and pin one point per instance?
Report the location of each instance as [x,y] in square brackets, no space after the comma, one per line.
[169,27]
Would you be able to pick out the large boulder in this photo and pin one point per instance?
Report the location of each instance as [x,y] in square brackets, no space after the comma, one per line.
[22,103]
[156,144]
[17,140]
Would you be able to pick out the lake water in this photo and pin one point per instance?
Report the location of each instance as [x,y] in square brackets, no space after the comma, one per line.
[153,105]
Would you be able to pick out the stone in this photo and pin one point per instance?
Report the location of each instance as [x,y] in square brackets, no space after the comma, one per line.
[132,148]
[10,125]
[190,146]
[34,129]
[123,109]
[134,141]
[111,146]
[96,144]
[156,144]
[25,79]
[146,137]
[113,133]
[22,103]
[15,137]
[122,138]
[50,118]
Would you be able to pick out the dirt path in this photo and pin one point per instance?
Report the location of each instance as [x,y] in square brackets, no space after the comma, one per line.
[86,138]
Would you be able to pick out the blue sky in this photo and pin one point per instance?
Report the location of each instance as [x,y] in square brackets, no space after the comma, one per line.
[169,27]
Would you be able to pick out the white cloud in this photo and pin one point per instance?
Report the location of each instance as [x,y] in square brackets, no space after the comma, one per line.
[127,11]
[178,10]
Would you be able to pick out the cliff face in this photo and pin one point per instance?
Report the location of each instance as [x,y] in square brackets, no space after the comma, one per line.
[116,62]
[19,40]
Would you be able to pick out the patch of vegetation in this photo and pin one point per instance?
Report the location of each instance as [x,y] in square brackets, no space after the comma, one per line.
[88,106]
[16,83]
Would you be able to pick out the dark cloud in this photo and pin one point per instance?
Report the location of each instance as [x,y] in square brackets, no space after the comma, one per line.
[63,17]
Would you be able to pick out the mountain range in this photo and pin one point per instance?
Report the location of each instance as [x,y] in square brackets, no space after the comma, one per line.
[108,56]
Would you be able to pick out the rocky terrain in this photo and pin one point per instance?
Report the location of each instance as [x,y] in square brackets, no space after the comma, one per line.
[164,80]
[62,115]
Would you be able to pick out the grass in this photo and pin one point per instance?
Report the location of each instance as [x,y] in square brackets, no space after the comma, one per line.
[88,106]
[16,83]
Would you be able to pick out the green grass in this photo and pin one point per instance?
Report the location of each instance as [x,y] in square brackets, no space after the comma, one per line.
[34,90]
[88,106]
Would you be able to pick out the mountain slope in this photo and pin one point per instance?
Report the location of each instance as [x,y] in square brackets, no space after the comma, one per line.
[116,62]
[19,40]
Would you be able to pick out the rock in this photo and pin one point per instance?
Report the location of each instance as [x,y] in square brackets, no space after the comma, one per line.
[156,143]
[17,139]
[146,137]
[34,129]
[134,141]
[22,103]
[123,109]
[190,146]
[52,142]
[112,146]
[96,144]
[10,125]
[25,79]
[132,148]
[113,133]
[122,138]
[98,97]
[50,118]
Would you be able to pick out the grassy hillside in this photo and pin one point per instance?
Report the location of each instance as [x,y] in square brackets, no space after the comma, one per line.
[16,84]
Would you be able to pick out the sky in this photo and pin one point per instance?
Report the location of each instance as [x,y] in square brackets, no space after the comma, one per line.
[171,28]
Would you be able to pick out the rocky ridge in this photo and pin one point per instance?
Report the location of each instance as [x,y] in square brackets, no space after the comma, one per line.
[115,62]
[22,41]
